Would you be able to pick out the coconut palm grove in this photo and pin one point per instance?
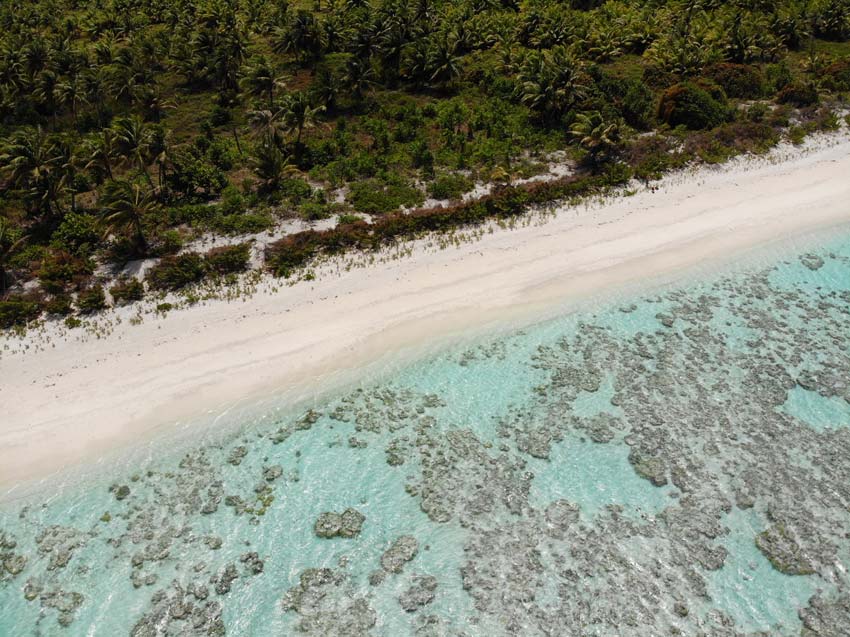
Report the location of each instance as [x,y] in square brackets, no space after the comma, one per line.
[130,128]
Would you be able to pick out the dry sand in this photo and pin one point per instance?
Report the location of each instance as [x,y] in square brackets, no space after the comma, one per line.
[77,399]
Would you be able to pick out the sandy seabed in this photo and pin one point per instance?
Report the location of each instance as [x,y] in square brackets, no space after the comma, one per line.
[78,398]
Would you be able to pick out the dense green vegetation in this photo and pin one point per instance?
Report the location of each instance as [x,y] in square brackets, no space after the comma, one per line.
[130,127]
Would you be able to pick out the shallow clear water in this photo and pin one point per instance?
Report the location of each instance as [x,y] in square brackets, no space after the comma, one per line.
[675,464]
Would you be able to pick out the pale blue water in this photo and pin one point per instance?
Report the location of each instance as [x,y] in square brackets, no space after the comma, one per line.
[603,473]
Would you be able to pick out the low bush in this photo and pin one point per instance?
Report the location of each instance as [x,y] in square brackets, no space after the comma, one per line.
[194,215]
[126,290]
[60,270]
[836,77]
[238,224]
[738,80]
[169,242]
[729,140]
[798,94]
[449,186]
[91,300]
[58,305]
[649,157]
[692,106]
[778,76]
[228,259]
[637,106]
[173,273]
[78,233]
[314,211]
[374,197]
[18,311]
[296,250]
[232,201]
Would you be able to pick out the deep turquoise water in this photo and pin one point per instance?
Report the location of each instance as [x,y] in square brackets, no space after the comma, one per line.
[673,463]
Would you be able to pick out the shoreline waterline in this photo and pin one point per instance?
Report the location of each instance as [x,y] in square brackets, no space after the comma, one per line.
[80,401]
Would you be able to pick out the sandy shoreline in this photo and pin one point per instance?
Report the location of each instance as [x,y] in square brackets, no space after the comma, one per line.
[76,400]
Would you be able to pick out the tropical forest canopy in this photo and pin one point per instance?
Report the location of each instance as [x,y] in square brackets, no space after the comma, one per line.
[130,127]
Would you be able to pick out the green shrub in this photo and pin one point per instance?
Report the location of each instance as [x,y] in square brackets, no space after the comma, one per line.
[347,219]
[91,300]
[758,112]
[373,197]
[649,157]
[730,140]
[60,269]
[169,242]
[691,106]
[637,105]
[314,211]
[247,223]
[836,77]
[232,201]
[777,76]
[296,250]
[228,259]
[195,215]
[126,290]
[295,189]
[18,311]
[798,94]
[58,305]
[173,273]
[78,233]
[449,186]
[737,80]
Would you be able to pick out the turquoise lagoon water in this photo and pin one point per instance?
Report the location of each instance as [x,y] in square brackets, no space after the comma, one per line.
[677,463]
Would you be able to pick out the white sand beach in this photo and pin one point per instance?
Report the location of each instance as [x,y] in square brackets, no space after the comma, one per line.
[77,398]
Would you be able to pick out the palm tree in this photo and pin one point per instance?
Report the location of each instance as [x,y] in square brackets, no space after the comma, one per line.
[550,83]
[31,164]
[45,91]
[260,80]
[9,244]
[300,114]
[444,59]
[133,142]
[125,207]
[359,76]
[326,88]
[301,36]
[68,160]
[152,103]
[70,94]
[94,88]
[101,151]
[596,136]
[271,164]
[268,124]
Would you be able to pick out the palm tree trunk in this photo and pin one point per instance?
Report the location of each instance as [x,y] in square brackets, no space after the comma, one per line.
[236,137]
[147,175]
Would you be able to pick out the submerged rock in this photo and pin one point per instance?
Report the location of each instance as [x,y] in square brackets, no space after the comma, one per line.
[786,556]
[421,592]
[346,524]
[400,553]
[326,607]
